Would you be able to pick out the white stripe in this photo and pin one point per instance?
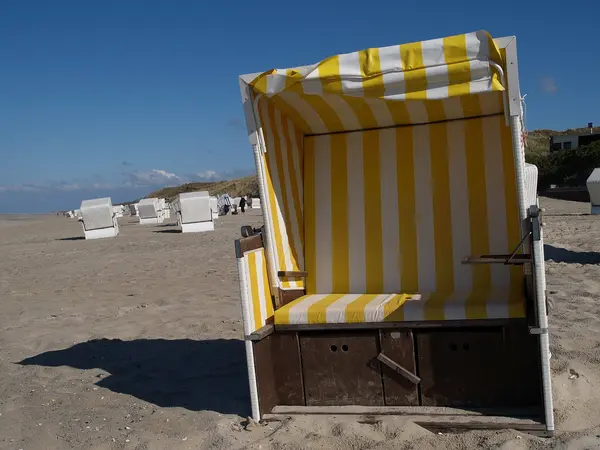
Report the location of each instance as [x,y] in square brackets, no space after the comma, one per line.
[436,69]
[276,82]
[356,213]
[389,212]
[251,321]
[459,205]
[375,308]
[261,291]
[296,158]
[380,111]
[304,110]
[414,310]
[276,208]
[351,74]
[496,200]
[343,111]
[336,312]
[424,209]
[389,59]
[295,231]
[453,108]
[417,111]
[496,305]
[298,313]
[477,45]
[454,306]
[323,200]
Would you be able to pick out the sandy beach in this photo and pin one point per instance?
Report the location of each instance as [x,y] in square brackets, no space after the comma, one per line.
[135,342]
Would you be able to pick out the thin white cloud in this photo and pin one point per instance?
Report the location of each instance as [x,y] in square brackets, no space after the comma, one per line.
[209,175]
[548,85]
[154,177]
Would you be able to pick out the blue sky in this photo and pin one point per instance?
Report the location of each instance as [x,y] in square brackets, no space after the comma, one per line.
[117,97]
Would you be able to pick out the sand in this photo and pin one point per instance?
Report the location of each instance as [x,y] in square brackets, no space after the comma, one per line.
[135,343]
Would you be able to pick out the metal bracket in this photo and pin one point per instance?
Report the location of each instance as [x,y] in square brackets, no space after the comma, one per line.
[538,331]
[536,224]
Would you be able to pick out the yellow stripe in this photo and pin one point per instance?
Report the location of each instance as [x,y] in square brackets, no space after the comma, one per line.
[355,311]
[442,215]
[406,210]
[478,219]
[254,289]
[513,227]
[399,112]
[459,71]
[294,176]
[393,311]
[370,66]
[372,199]
[317,313]
[339,214]
[309,215]
[266,287]
[415,77]
[435,110]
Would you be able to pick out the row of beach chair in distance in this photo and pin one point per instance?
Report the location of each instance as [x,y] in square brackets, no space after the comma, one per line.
[196,212]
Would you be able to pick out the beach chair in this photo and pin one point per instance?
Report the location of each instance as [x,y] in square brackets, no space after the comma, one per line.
[194,212]
[401,263]
[98,218]
[149,211]
[214,208]
[593,187]
[132,210]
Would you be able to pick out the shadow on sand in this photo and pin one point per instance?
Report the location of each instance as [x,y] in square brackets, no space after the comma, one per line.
[75,238]
[197,375]
[558,254]
[167,231]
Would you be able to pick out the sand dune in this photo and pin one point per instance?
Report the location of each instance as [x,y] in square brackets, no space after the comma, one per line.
[134,343]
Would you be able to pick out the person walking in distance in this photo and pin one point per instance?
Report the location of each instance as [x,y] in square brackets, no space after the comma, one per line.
[243,205]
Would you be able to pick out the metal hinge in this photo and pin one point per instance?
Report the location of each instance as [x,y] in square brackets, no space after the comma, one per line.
[533,330]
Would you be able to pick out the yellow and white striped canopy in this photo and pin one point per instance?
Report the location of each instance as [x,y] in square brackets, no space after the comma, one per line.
[422,82]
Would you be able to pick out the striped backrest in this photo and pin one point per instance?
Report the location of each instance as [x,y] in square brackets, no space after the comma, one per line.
[257,290]
[384,168]
[397,210]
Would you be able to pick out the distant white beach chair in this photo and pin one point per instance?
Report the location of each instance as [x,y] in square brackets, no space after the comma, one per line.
[193,212]
[593,187]
[149,211]
[214,207]
[167,210]
[118,210]
[98,218]
[132,210]
[224,204]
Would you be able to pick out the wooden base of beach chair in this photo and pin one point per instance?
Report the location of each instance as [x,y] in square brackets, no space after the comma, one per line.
[490,368]
[434,419]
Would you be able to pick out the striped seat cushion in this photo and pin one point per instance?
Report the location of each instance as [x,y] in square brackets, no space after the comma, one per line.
[373,308]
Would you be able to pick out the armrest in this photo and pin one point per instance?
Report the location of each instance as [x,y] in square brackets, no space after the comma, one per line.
[261,333]
[247,244]
[292,274]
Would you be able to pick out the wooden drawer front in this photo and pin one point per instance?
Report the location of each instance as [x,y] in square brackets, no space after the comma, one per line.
[399,346]
[341,368]
[479,369]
